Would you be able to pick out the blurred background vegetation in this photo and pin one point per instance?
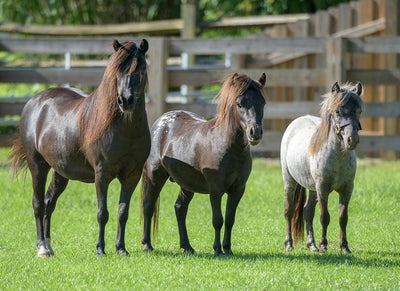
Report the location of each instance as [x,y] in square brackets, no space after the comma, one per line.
[59,12]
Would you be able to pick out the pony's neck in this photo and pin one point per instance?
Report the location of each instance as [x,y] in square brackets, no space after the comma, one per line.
[239,142]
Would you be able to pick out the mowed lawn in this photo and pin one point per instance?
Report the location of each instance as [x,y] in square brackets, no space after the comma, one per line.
[260,261]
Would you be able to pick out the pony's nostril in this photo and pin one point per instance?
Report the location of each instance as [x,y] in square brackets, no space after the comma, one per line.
[130,100]
[252,131]
[120,101]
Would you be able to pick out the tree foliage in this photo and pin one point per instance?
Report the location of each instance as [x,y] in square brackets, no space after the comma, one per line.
[119,11]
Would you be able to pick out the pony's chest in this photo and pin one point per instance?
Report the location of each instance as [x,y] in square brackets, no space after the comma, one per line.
[335,172]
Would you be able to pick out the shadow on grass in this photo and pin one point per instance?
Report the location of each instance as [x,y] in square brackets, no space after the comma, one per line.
[385,259]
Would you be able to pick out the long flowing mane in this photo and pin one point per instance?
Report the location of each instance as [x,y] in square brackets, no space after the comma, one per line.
[100,108]
[233,86]
[332,102]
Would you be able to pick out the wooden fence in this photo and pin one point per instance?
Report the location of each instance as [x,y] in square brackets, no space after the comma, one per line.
[162,77]
[356,41]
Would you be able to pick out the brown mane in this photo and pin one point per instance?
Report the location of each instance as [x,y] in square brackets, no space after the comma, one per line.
[100,108]
[233,86]
[331,103]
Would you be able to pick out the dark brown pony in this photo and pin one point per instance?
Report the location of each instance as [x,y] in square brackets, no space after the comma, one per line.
[205,157]
[90,138]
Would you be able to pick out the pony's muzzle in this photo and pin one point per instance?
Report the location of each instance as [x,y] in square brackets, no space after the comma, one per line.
[256,134]
[126,104]
[352,141]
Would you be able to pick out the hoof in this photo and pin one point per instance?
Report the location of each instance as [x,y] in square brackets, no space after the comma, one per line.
[322,249]
[44,250]
[289,247]
[122,252]
[147,247]
[100,253]
[218,253]
[189,251]
[44,253]
[312,247]
[345,250]
[228,252]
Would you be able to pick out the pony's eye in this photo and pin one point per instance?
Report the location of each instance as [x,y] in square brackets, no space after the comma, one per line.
[337,112]
[238,104]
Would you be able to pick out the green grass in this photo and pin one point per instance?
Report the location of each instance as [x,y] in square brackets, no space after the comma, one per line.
[260,261]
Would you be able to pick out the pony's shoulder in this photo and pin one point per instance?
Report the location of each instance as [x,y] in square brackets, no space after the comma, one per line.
[308,119]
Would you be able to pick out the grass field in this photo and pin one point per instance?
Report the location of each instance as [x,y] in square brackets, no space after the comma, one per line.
[260,261]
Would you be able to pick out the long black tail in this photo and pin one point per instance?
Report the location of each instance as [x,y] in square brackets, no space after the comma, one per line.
[298,216]
[145,183]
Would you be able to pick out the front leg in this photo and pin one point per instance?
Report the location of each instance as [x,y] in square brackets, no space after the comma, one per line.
[325,219]
[127,189]
[102,183]
[230,213]
[344,200]
[217,221]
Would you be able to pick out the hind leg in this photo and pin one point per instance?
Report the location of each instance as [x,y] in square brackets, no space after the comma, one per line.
[181,208]
[56,187]
[289,188]
[309,217]
[39,169]
[152,186]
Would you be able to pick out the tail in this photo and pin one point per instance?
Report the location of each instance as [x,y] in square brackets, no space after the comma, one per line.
[17,155]
[145,183]
[298,217]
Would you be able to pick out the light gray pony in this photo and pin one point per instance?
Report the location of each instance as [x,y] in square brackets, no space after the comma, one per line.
[318,154]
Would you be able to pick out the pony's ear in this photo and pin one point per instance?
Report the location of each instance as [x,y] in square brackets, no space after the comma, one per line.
[262,79]
[116,45]
[357,89]
[144,46]
[335,88]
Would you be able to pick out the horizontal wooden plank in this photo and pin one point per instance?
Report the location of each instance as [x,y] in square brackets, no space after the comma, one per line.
[212,46]
[379,143]
[273,110]
[275,77]
[374,44]
[157,26]
[378,109]
[252,21]
[60,76]
[272,142]
[8,108]
[374,77]
[62,45]
[39,45]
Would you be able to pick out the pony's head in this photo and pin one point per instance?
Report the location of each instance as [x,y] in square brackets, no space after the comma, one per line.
[342,110]
[131,74]
[241,104]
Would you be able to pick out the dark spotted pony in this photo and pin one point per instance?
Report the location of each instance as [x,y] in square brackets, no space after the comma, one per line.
[87,137]
[209,157]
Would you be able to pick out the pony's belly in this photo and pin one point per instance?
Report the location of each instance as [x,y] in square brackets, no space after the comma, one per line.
[76,171]
[185,175]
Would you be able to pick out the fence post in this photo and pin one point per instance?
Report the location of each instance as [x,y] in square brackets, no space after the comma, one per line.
[392,60]
[158,78]
[336,54]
